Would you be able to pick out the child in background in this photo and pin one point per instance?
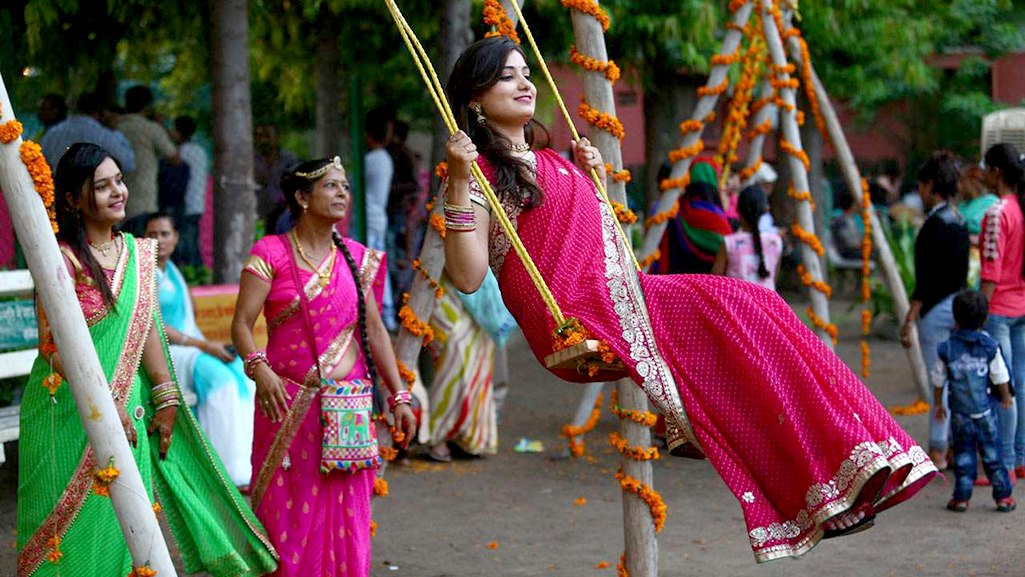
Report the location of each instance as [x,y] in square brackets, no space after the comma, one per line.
[971,366]
[749,254]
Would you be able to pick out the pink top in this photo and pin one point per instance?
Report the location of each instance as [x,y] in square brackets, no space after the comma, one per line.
[1002,248]
[742,260]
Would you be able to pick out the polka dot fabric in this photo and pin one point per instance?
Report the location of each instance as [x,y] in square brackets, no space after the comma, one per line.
[791,430]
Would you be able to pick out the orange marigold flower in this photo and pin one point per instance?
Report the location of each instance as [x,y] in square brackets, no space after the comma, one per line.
[373,528]
[602,565]
[52,382]
[589,7]
[10,131]
[389,453]
[441,170]
[407,375]
[650,259]
[666,215]
[493,545]
[710,90]
[609,68]
[495,16]
[580,502]
[380,487]
[601,120]
[438,222]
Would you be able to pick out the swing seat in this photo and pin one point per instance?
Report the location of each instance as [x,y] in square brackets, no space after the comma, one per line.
[583,358]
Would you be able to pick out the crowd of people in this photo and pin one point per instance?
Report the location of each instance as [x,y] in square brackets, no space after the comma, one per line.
[806,449]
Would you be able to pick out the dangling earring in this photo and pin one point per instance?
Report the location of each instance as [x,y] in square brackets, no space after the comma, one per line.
[476,108]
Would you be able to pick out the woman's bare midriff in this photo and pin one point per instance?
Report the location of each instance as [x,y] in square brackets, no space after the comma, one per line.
[348,361]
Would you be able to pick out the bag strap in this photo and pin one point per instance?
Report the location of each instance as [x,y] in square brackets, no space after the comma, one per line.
[302,301]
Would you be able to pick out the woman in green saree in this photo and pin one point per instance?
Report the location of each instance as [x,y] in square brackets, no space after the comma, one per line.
[64,525]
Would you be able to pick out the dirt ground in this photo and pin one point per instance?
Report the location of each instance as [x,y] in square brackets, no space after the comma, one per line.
[439,520]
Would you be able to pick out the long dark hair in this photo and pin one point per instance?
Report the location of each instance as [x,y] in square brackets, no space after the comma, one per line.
[751,204]
[74,171]
[1006,158]
[478,69]
[292,183]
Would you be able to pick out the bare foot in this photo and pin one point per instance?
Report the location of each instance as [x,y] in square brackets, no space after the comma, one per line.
[844,520]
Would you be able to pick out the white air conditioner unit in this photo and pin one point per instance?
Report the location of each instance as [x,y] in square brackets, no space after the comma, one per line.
[1004,126]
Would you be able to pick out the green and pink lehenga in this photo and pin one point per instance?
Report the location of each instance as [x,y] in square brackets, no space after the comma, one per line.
[214,529]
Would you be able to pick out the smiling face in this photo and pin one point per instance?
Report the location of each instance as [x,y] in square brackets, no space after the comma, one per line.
[511,100]
[163,230]
[109,194]
[328,198]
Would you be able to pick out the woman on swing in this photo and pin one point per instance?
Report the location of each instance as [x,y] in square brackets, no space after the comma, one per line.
[802,444]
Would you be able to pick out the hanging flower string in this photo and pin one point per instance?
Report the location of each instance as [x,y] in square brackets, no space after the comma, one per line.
[104,477]
[623,176]
[607,68]
[646,418]
[866,273]
[407,375]
[577,447]
[589,7]
[624,214]
[830,328]
[809,281]
[438,222]
[413,324]
[142,571]
[495,16]
[32,156]
[738,110]
[438,289]
[651,258]
[807,238]
[601,120]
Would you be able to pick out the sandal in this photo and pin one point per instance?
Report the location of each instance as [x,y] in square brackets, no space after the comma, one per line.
[867,523]
[957,506]
[1006,505]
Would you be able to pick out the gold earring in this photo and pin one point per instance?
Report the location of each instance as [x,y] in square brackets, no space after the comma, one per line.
[476,108]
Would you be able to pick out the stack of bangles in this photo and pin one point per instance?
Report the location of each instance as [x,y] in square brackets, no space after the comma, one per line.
[165,395]
[253,359]
[403,397]
[460,218]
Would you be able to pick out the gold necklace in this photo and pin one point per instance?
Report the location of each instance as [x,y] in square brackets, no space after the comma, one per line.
[325,276]
[519,147]
[103,248]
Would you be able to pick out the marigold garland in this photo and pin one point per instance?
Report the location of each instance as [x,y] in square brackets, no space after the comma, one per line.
[589,7]
[809,85]
[439,290]
[52,382]
[438,223]
[104,477]
[792,150]
[799,196]
[763,128]
[737,5]
[576,448]
[686,152]
[570,333]
[157,508]
[661,217]
[380,487]
[830,328]
[389,453]
[601,120]
[714,90]
[809,281]
[495,16]
[42,177]
[407,375]
[646,418]
[373,528]
[441,170]
[671,183]
[689,125]
[624,214]
[866,272]
[55,555]
[635,453]
[710,118]
[724,59]
[10,131]
[414,325]
[143,571]
[808,238]
[607,68]
[621,567]
[738,109]
[623,176]
[648,495]
[916,408]
[650,259]
[749,171]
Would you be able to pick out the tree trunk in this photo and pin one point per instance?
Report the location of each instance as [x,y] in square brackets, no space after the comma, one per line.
[663,109]
[234,198]
[328,133]
[455,36]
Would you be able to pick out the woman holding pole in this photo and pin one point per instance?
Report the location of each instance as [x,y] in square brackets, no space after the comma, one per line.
[65,523]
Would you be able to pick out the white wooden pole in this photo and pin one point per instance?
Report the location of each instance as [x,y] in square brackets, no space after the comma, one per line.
[798,172]
[81,365]
[884,255]
[641,544]
[705,105]
[757,145]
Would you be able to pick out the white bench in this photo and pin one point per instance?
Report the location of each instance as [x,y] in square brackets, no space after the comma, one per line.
[14,363]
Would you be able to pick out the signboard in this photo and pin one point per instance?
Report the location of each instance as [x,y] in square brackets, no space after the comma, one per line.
[215,307]
[18,327]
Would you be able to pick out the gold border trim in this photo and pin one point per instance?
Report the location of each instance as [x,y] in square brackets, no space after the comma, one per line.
[282,441]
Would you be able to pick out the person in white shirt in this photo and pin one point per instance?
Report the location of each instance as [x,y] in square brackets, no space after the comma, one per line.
[195,157]
[378,170]
[150,142]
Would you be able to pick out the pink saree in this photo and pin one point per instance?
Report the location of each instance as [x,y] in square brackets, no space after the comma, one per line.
[791,430]
[319,523]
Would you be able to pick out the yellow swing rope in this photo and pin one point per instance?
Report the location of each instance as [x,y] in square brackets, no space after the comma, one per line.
[572,127]
[430,77]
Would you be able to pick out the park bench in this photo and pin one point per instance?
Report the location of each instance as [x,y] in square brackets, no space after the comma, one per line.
[18,334]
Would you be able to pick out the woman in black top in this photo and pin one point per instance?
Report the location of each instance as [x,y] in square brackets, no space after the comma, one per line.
[941,267]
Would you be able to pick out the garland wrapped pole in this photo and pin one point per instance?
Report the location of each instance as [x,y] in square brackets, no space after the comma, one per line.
[84,374]
[706,104]
[884,255]
[756,135]
[797,159]
[638,527]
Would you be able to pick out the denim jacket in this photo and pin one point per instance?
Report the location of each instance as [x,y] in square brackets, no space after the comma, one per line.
[968,358]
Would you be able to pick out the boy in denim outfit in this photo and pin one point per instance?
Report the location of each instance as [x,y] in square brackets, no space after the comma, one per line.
[969,364]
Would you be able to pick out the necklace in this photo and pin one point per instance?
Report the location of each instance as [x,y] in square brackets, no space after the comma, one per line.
[325,276]
[103,248]
[519,147]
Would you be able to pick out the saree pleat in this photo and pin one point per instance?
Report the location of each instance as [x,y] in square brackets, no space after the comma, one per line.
[214,529]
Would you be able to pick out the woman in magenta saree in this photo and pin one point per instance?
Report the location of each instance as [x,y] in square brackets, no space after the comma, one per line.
[802,444]
[319,522]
